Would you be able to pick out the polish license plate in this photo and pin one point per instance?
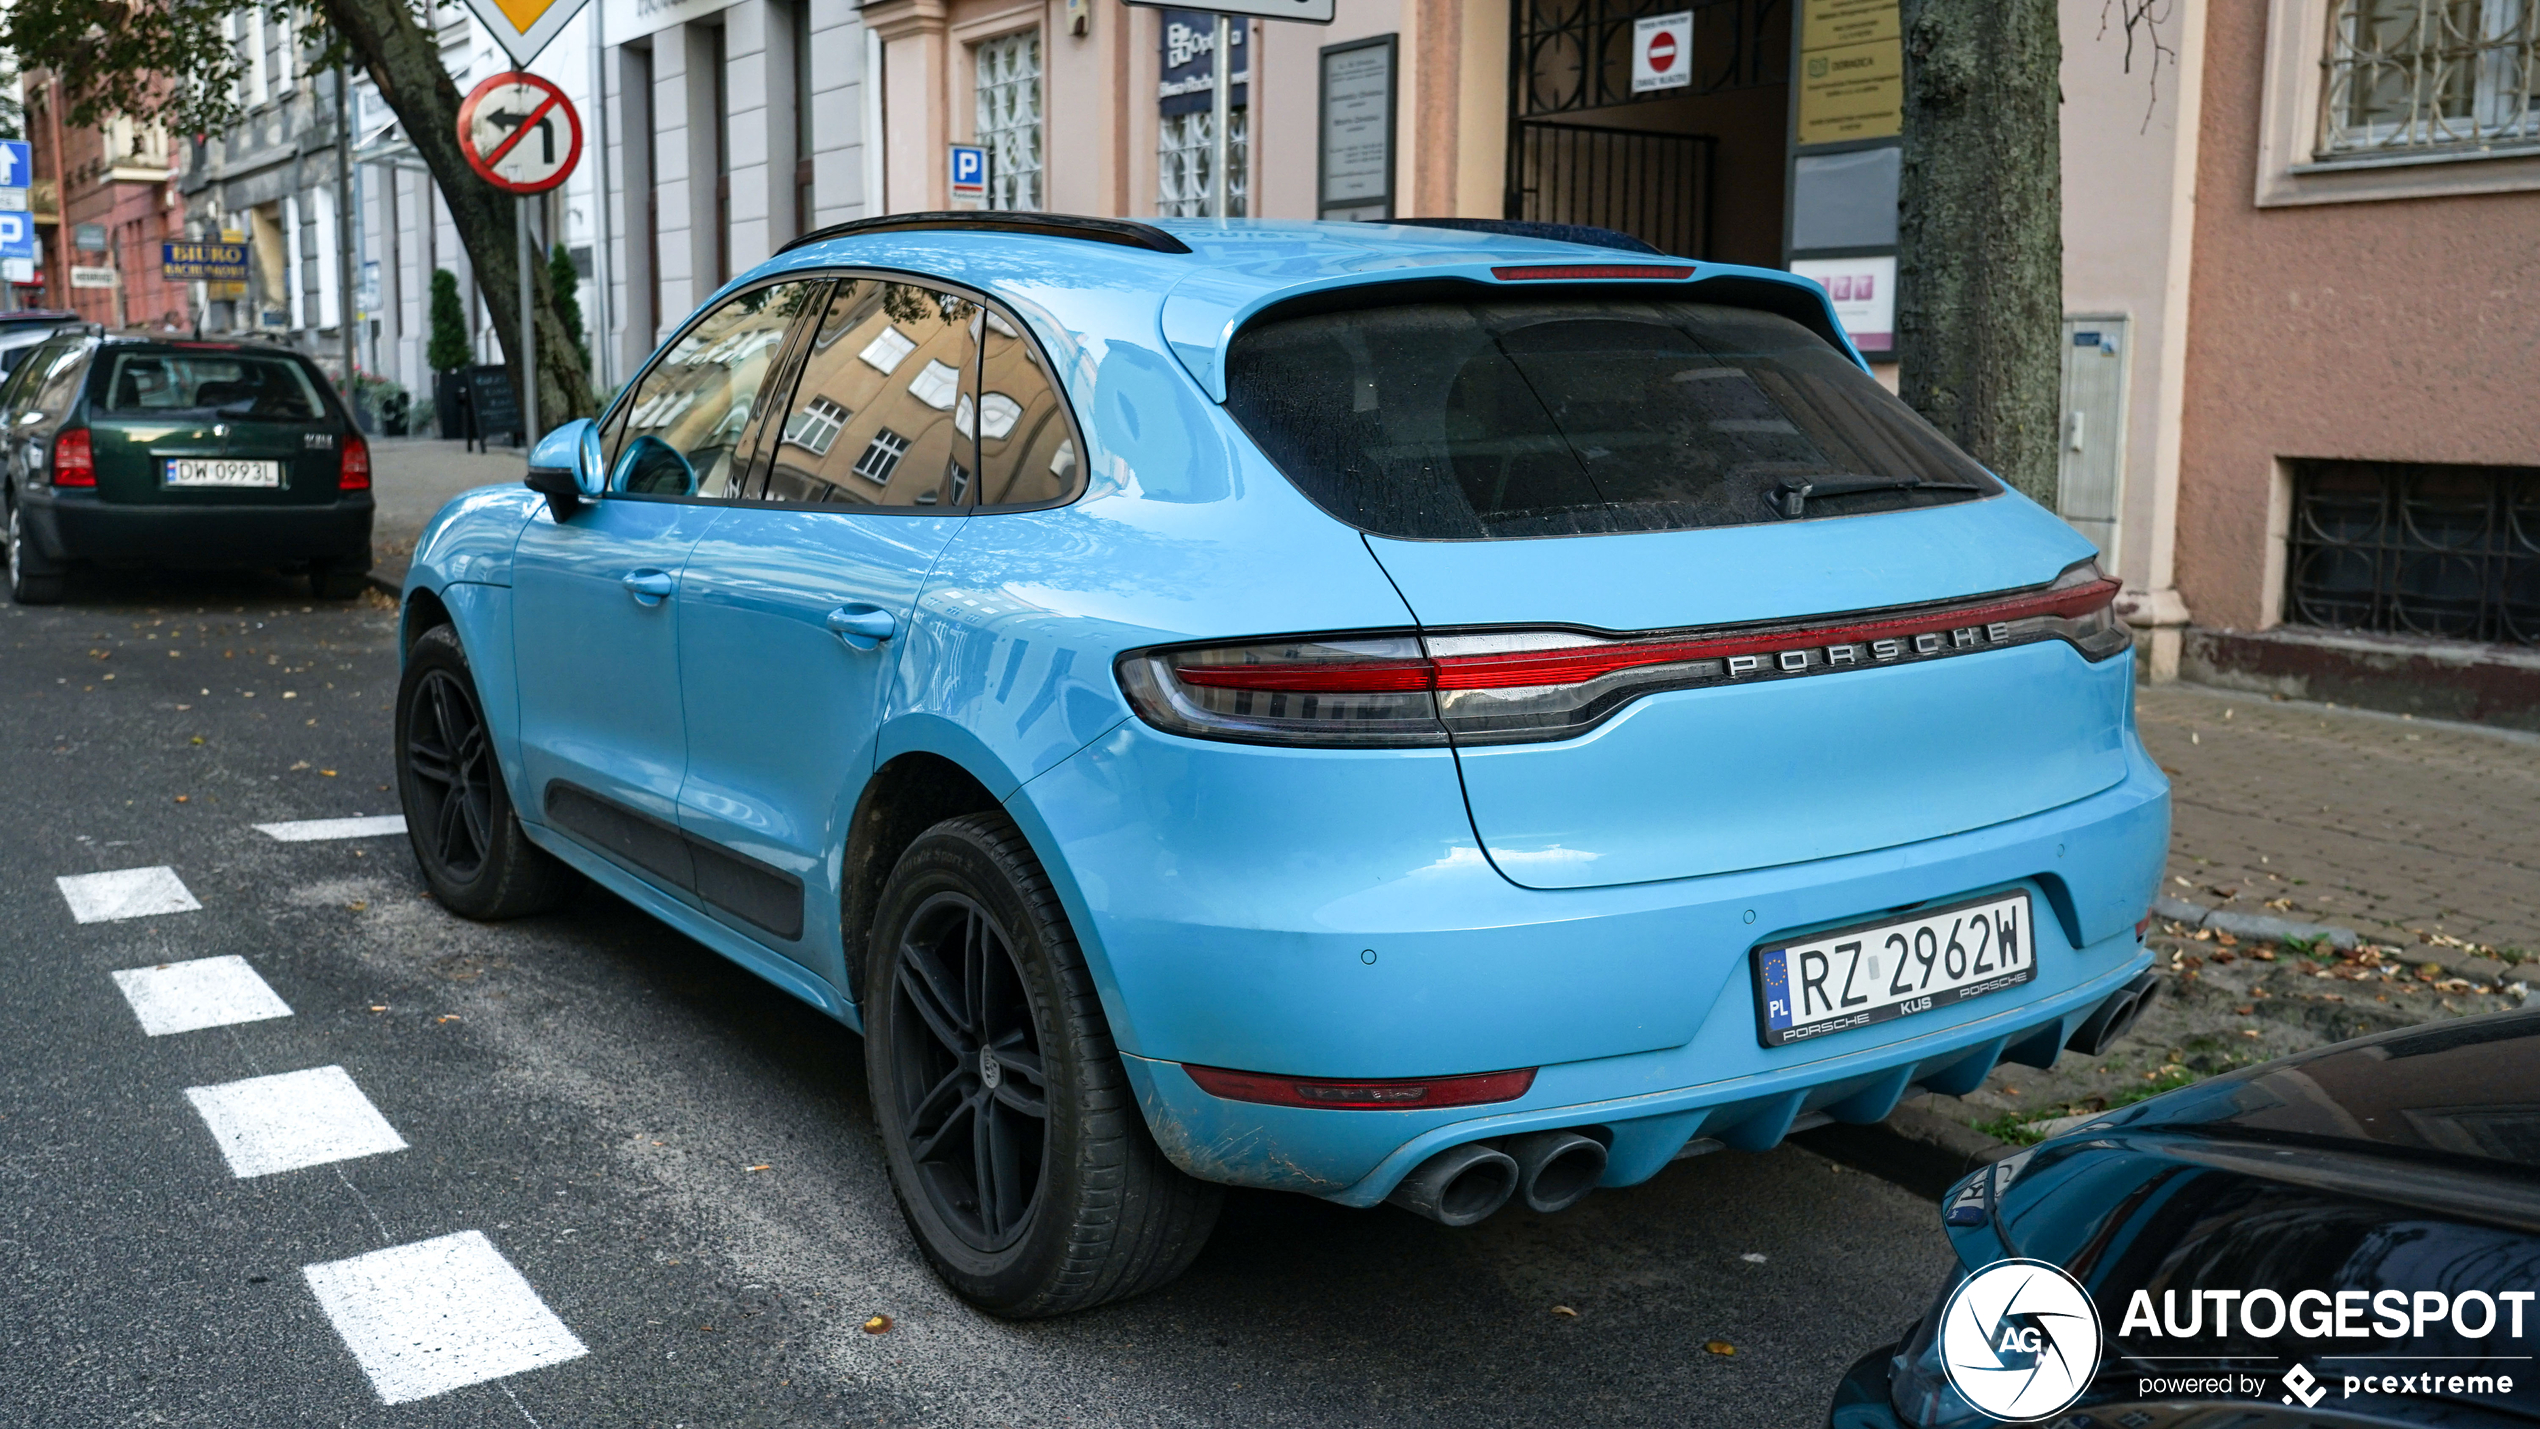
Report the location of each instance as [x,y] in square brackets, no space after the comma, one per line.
[182,471]
[1877,972]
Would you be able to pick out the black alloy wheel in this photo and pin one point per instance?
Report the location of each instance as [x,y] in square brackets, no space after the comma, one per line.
[974,1097]
[458,813]
[1015,1144]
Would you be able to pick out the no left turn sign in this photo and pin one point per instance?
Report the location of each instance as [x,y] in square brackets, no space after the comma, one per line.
[520,133]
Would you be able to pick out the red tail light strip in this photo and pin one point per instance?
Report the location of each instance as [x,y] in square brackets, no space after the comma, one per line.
[1579,664]
[1380,1094]
[1589,270]
[74,459]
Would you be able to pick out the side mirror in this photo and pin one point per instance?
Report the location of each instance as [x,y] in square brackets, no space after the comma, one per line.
[565,467]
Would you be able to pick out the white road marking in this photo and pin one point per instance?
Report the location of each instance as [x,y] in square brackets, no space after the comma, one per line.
[432,1316]
[125,893]
[207,992]
[280,1123]
[312,830]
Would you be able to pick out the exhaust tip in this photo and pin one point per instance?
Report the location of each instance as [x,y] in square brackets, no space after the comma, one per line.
[2114,1018]
[1460,1186]
[1556,1169]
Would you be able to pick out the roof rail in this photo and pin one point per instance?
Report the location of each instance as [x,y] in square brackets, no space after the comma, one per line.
[1526,228]
[1046,225]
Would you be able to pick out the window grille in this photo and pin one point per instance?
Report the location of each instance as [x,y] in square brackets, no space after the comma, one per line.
[1182,152]
[1009,117]
[882,458]
[2403,75]
[2415,549]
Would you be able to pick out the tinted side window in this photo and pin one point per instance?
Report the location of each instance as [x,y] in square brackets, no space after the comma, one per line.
[686,419]
[54,382]
[1546,416]
[1027,450]
[886,413]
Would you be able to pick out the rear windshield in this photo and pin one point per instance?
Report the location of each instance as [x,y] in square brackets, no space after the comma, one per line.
[246,384]
[1581,415]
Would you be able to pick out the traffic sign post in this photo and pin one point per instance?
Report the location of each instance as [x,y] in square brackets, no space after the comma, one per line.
[521,135]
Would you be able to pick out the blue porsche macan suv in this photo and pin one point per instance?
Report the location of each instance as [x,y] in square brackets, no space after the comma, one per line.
[1379,711]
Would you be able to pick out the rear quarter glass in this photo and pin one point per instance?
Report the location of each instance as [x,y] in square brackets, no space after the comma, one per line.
[1581,413]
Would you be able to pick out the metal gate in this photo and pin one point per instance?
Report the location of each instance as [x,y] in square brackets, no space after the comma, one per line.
[1655,187]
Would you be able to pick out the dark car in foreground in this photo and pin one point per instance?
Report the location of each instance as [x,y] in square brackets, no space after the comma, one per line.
[2346,1237]
[130,452]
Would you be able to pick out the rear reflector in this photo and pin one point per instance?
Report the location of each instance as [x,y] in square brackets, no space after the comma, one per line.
[1390,1094]
[353,472]
[74,461]
[1589,270]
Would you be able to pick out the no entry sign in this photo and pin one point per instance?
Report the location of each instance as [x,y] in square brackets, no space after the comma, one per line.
[1662,52]
[520,133]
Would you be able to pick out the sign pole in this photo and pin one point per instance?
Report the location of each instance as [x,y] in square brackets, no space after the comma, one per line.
[528,333]
[1221,108]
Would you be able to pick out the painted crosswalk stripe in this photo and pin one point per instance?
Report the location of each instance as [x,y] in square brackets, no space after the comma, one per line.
[206,992]
[125,893]
[312,830]
[429,1317]
[281,1123]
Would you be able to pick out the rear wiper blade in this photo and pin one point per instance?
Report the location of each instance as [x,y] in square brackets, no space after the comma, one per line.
[1791,497]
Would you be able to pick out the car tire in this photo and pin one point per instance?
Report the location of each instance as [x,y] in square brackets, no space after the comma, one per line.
[27,586]
[459,815]
[971,950]
[336,582]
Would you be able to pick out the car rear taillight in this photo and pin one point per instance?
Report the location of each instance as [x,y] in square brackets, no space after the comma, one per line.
[1382,1094]
[74,460]
[1396,689]
[352,473]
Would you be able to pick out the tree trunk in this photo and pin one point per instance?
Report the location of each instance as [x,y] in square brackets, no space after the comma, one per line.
[1980,259]
[405,63]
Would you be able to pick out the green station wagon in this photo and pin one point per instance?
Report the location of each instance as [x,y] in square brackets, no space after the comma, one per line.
[126,453]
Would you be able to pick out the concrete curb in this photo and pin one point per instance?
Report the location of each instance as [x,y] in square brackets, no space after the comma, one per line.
[2254,925]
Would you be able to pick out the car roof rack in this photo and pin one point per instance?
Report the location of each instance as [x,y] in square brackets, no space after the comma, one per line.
[1044,225]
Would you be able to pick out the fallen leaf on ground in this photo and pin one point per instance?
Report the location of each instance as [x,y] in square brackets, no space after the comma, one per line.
[357,906]
[447,1017]
[759,1167]
[1756,1257]
[1565,1310]
[1720,1347]
[2244,1011]
[878,1325]
[379,1007]
[329,773]
[182,799]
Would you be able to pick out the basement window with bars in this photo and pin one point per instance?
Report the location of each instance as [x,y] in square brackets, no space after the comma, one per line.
[1008,122]
[2416,549]
[2413,76]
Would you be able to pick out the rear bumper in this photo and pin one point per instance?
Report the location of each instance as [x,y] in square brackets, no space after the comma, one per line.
[1315,914]
[77,526]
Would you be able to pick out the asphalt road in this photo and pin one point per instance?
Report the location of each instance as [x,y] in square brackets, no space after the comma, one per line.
[597,1095]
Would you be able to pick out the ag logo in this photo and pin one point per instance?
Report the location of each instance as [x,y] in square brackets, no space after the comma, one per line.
[2020,1339]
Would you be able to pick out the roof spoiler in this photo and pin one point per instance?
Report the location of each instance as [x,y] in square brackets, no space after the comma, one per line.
[1124,232]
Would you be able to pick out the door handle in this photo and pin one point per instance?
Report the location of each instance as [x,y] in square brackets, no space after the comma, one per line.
[649,587]
[863,627]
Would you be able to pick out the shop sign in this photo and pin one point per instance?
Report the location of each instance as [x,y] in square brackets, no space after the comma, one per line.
[1851,72]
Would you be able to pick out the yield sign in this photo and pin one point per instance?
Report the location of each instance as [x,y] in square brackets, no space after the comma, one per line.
[519,132]
[523,27]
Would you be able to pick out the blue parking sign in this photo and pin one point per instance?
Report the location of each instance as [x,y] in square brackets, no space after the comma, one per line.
[17,164]
[969,171]
[17,234]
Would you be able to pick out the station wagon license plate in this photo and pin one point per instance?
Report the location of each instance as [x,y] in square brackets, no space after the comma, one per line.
[1877,972]
[192,471]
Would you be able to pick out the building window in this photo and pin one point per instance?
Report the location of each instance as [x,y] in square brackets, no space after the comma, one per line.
[1182,151]
[817,425]
[2416,549]
[881,458]
[2429,74]
[1009,118]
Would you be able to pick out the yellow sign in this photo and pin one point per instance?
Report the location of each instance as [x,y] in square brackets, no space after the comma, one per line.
[523,27]
[1851,71]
